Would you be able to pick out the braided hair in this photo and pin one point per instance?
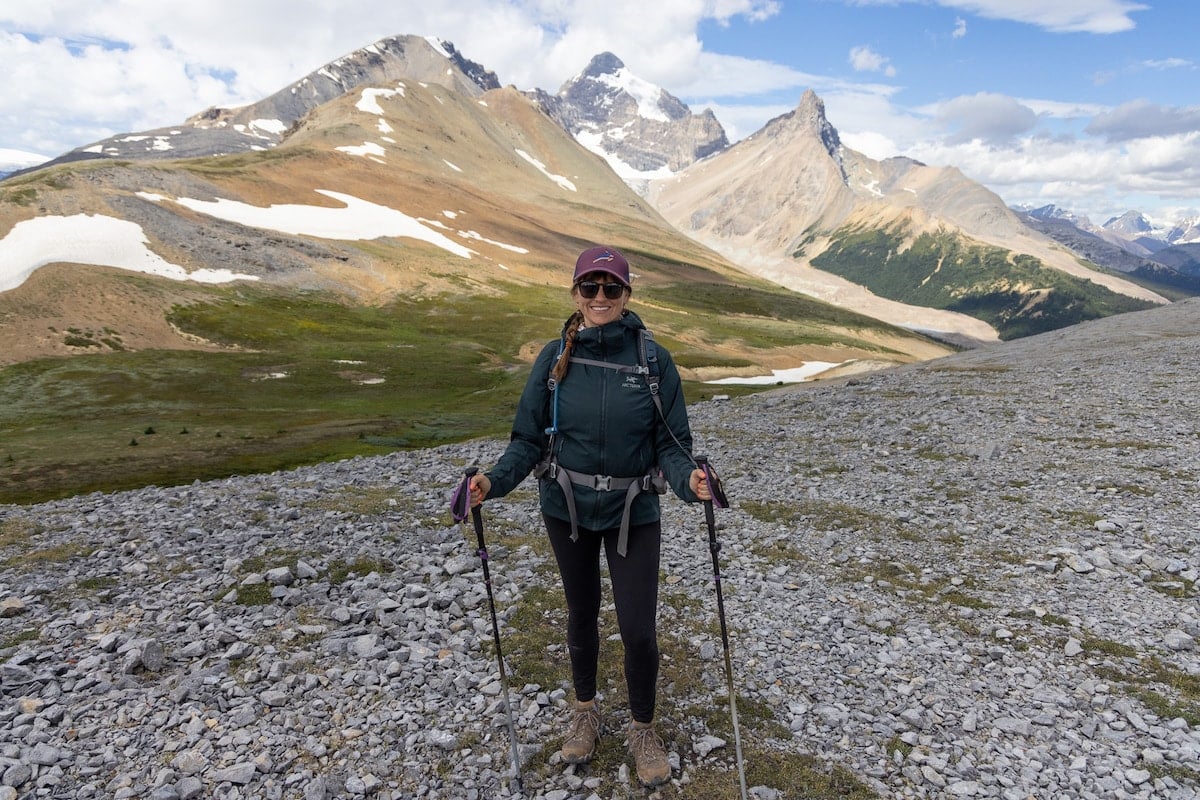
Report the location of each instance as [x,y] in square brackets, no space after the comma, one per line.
[570,332]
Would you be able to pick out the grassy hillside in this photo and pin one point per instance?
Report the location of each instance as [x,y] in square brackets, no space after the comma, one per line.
[1013,293]
[305,377]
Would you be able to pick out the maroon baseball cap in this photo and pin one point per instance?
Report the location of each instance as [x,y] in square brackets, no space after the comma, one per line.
[602,259]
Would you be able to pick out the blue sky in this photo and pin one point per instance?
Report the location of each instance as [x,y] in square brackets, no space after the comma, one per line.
[1090,104]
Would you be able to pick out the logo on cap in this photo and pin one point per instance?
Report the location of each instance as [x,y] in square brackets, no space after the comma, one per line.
[605,256]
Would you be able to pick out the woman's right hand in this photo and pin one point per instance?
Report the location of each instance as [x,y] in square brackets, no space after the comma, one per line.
[480,486]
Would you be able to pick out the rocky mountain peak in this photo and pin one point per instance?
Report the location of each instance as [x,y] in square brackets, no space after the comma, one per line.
[1186,231]
[482,77]
[638,127]
[807,120]
[811,115]
[1129,223]
[603,64]
[1051,211]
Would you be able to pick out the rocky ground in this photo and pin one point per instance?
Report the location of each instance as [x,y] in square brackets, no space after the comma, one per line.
[973,577]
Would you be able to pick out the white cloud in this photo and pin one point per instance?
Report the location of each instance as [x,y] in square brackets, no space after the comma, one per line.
[1060,16]
[18,159]
[741,120]
[1168,63]
[960,28]
[1141,118]
[1086,176]
[1063,16]
[991,118]
[106,90]
[864,59]
[871,144]
[1058,109]
[716,75]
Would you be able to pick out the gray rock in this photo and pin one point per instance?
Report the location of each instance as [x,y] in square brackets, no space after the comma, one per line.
[239,774]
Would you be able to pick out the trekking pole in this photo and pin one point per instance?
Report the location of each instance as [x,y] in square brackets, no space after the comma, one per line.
[459,504]
[718,494]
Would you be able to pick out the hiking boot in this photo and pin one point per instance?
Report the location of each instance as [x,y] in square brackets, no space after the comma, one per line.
[583,732]
[648,754]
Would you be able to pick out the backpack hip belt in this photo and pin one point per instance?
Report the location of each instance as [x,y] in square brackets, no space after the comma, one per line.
[650,482]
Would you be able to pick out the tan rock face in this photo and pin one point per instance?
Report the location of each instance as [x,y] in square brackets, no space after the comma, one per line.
[770,203]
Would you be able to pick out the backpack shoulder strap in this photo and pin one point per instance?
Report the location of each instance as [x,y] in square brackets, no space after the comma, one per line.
[648,356]
[552,388]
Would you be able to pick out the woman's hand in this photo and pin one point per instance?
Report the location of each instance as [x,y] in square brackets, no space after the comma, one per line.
[479,486]
[698,482]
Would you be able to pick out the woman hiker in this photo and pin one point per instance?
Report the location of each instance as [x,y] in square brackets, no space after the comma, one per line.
[588,423]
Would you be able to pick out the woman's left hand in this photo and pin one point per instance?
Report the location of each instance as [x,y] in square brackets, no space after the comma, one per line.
[699,484]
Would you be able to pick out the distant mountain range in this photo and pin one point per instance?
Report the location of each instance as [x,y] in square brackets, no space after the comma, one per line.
[1129,243]
[921,247]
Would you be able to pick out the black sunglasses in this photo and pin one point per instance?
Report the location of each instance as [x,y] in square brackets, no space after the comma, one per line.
[590,289]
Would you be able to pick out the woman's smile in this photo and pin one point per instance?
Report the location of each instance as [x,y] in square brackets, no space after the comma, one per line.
[600,310]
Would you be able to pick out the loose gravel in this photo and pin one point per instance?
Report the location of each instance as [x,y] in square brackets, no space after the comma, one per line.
[973,577]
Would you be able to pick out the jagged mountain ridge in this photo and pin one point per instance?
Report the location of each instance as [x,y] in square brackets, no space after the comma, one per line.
[1136,228]
[779,200]
[1156,269]
[1110,234]
[1132,230]
[266,123]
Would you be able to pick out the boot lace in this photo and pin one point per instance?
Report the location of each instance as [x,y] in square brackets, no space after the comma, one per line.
[584,725]
[646,745]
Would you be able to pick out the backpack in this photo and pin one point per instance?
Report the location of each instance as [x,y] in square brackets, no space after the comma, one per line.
[654,481]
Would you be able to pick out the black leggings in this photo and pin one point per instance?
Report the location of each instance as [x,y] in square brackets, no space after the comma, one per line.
[635,593]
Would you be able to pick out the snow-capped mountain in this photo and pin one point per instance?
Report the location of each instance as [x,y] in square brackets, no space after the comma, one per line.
[1172,268]
[264,124]
[1136,227]
[641,129]
[1049,212]
[1112,235]
[15,160]
[1131,224]
[1133,233]
[1186,231]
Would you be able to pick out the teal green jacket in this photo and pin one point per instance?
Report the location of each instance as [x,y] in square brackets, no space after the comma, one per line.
[607,425]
